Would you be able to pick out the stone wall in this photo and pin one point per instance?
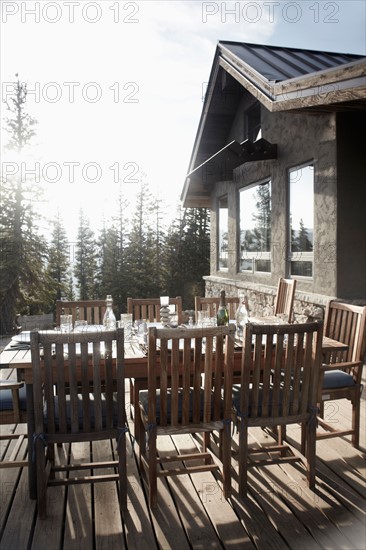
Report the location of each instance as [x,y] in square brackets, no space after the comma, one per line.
[261,298]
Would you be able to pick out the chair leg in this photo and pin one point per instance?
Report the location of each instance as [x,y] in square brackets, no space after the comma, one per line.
[281,434]
[225,452]
[43,467]
[122,471]
[243,458]
[132,404]
[356,405]
[152,473]
[303,439]
[310,452]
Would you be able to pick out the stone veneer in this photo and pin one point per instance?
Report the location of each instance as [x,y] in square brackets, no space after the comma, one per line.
[262,298]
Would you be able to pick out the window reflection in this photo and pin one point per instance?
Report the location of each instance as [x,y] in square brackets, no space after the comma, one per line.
[223,239]
[301,220]
[255,228]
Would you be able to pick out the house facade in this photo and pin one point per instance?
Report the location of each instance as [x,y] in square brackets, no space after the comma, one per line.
[279,159]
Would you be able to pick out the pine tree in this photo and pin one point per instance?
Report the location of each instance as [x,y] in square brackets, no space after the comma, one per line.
[108,264]
[304,243]
[58,263]
[24,285]
[262,218]
[85,268]
[187,257]
[140,252]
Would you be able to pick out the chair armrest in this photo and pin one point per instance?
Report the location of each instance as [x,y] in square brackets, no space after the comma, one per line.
[10,384]
[340,366]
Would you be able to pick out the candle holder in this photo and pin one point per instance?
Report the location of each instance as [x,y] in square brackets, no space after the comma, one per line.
[164,310]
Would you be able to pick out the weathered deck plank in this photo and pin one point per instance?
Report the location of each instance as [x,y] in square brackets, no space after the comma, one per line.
[279,512]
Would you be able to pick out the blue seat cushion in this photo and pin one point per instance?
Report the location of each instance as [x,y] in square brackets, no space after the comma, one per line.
[144,400]
[337,379]
[6,400]
[80,412]
[236,401]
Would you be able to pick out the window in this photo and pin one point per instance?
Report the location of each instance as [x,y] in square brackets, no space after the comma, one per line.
[252,123]
[301,221]
[223,233]
[255,228]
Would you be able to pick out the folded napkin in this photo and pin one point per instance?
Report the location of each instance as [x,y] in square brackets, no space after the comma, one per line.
[18,346]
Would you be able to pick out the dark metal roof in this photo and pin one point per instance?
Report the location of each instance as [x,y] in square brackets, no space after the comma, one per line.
[281,79]
[277,64]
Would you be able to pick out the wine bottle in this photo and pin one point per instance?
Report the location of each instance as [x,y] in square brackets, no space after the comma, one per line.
[222,312]
[109,319]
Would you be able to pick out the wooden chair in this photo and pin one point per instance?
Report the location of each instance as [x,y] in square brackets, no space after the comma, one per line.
[148,309]
[284,301]
[78,393]
[13,410]
[278,386]
[89,310]
[342,371]
[212,304]
[183,408]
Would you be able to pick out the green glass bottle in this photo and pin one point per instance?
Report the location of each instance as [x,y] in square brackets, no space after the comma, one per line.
[222,312]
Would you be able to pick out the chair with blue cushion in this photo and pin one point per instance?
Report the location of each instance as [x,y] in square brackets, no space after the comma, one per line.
[278,386]
[13,410]
[176,401]
[78,392]
[342,370]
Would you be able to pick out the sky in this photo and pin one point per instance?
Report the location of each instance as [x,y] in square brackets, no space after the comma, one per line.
[117,87]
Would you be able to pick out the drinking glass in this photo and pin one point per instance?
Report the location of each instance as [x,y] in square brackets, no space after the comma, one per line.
[173,320]
[80,325]
[201,317]
[126,323]
[66,323]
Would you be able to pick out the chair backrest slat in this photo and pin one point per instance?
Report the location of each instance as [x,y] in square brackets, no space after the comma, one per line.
[90,310]
[346,323]
[78,376]
[148,309]
[177,355]
[280,370]
[211,304]
[284,301]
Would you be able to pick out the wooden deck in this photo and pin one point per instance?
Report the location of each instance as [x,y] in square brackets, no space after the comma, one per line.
[280,512]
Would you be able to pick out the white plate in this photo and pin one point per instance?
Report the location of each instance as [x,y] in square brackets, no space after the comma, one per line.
[22,337]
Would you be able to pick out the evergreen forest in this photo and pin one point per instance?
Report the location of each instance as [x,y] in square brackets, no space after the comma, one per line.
[133,255]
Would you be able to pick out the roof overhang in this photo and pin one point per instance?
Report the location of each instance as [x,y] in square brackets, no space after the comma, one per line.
[329,86]
[342,87]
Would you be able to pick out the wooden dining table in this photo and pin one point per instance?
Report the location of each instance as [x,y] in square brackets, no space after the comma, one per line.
[17,355]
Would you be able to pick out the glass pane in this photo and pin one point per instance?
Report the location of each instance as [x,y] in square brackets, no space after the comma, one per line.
[302,209]
[263,265]
[223,233]
[302,269]
[246,265]
[255,219]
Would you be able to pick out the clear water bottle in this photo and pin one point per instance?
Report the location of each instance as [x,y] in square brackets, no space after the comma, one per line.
[241,317]
[109,319]
[222,312]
